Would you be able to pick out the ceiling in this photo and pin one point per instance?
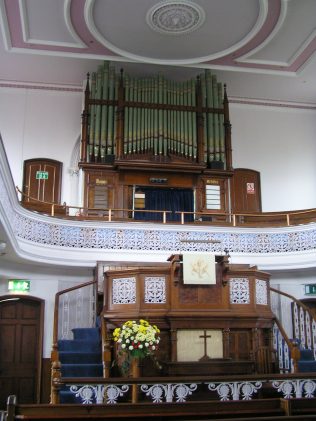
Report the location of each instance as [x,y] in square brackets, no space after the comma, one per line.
[262,49]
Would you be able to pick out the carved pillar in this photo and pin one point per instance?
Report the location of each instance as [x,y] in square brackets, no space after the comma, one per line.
[226,333]
[55,382]
[173,339]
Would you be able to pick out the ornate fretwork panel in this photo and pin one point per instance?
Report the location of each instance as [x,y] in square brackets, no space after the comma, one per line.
[124,291]
[155,290]
[261,292]
[239,291]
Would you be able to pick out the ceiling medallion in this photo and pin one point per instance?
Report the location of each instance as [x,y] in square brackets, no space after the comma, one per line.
[175,17]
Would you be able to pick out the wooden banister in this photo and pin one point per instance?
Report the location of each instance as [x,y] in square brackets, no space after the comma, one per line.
[55,363]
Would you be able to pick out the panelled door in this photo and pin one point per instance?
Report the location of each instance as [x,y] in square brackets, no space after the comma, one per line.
[246,191]
[42,180]
[21,336]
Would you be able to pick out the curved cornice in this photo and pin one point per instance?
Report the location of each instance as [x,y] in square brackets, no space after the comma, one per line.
[44,239]
[73,31]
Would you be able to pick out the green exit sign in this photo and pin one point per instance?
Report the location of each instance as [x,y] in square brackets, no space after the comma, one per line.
[19,285]
[41,175]
[310,289]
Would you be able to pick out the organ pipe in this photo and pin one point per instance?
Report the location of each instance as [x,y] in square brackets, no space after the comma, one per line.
[159,118]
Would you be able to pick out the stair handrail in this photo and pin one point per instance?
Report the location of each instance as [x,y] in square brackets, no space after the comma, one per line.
[294,299]
[294,346]
[56,306]
[34,199]
[55,362]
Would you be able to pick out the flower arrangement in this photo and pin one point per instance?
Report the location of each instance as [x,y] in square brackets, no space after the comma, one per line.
[137,340]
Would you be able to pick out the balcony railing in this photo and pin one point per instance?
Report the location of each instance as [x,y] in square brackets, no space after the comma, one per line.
[256,219]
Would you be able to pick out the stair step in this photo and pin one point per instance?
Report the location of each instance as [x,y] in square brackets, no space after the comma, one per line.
[70,357]
[81,370]
[78,345]
[88,333]
[65,396]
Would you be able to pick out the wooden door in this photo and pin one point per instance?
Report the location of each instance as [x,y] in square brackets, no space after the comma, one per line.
[42,180]
[246,191]
[21,337]
[240,344]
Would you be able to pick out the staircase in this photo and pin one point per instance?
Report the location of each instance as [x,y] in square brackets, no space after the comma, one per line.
[297,354]
[307,362]
[79,357]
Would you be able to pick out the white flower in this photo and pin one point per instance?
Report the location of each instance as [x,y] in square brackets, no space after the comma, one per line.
[153,347]
[130,347]
[140,346]
[127,341]
[147,344]
[123,346]
[119,340]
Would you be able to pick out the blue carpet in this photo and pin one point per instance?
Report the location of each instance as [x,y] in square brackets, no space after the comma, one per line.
[80,357]
[307,361]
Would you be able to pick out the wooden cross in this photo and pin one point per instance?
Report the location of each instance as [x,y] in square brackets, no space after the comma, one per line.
[205,356]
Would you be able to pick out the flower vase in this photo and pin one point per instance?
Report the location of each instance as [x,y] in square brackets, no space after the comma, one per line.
[135,373]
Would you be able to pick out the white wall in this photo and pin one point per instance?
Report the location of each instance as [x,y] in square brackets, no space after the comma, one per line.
[280,143]
[41,123]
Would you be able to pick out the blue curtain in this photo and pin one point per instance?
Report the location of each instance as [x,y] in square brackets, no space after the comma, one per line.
[166,199]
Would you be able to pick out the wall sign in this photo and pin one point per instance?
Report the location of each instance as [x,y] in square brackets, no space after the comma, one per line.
[250,188]
[41,175]
[19,285]
[310,289]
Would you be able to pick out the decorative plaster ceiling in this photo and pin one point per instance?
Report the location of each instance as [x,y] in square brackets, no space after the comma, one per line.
[250,37]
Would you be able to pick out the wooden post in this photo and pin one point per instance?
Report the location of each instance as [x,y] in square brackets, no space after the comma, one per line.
[55,378]
[106,348]
[227,126]
[120,119]
[135,371]
[11,404]
[85,123]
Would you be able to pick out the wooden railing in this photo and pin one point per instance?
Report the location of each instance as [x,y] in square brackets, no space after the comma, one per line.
[257,219]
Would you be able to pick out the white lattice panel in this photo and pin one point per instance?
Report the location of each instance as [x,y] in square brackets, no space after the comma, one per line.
[261,292]
[124,291]
[239,291]
[155,290]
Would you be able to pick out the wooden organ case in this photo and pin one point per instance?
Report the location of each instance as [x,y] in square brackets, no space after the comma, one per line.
[221,328]
[154,134]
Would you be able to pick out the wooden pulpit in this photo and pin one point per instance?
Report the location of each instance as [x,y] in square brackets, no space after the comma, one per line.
[206,328]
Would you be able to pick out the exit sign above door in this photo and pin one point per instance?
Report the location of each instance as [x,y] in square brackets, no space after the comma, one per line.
[310,289]
[41,175]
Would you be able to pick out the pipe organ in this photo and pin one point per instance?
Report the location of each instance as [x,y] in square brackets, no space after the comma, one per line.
[144,134]
[146,118]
